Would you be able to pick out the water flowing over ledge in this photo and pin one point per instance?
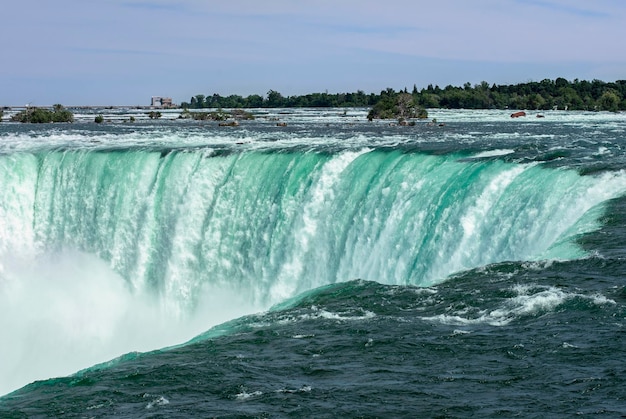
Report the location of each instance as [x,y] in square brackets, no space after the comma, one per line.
[109,247]
[269,225]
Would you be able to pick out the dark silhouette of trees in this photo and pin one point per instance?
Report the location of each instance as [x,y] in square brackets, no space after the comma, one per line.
[594,95]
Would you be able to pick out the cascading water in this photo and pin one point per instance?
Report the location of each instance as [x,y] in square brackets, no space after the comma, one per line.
[274,224]
[106,252]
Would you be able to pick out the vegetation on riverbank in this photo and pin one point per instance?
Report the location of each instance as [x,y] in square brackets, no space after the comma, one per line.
[42,115]
[546,94]
[402,105]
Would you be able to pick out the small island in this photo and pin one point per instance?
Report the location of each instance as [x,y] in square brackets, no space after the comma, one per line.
[402,107]
[41,115]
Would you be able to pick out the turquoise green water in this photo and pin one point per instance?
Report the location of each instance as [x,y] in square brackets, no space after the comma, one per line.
[475,270]
[276,224]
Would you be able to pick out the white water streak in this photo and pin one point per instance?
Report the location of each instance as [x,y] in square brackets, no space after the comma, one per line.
[306,233]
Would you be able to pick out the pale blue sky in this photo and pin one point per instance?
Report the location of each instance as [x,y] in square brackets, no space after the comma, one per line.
[122,52]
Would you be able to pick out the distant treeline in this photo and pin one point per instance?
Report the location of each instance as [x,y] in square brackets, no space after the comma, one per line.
[543,95]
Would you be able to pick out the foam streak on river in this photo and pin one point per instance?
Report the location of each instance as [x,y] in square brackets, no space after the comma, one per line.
[332,267]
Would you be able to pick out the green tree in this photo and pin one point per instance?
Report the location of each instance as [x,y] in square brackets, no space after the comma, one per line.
[200,101]
[429,100]
[60,114]
[215,101]
[536,101]
[571,99]
[254,101]
[484,86]
[275,99]
[360,98]
[609,101]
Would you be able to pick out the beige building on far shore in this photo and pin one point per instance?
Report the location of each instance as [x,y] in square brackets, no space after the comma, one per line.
[162,102]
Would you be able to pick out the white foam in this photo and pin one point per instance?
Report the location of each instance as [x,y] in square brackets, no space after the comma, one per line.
[157,401]
[244,395]
[303,389]
[342,317]
[530,300]
[493,153]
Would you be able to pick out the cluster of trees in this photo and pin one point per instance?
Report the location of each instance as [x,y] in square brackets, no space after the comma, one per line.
[42,115]
[274,99]
[546,94]
[402,107]
[218,115]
